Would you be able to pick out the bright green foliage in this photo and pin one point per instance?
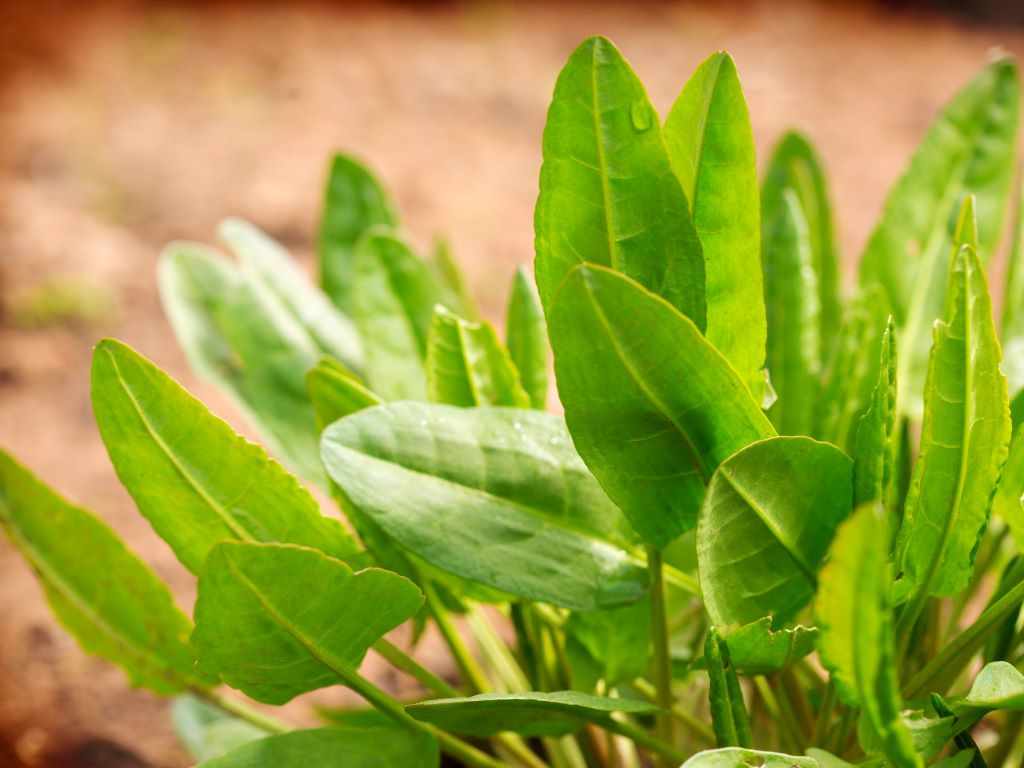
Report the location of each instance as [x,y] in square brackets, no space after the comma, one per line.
[1008,503]
[969,149]
[728,712]
[741,758]
[526,336]
[192,477]
[335,392]
[468,365]
[964,441]
[757,649]
[712,151]
[120,611]
[355,747]
[495,495]
[607,192]
[856,639]
[1012,329]
[765,526]
[354,202]
[277,620]
[874,453]
[530,714]
[452,285]
[666,408]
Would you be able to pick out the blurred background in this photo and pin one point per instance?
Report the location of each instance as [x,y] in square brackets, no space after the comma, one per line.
[125,125]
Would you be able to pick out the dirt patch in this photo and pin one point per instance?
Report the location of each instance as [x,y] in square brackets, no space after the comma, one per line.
[140,123]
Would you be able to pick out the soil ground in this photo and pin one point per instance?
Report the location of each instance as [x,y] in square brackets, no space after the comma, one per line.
[126,125]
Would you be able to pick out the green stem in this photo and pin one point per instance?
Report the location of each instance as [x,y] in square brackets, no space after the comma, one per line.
[662,667]
[681,579]
[496,650]
[825,710]
[405,663]
[472,674]
[697,728]
[241,710]
[638,735]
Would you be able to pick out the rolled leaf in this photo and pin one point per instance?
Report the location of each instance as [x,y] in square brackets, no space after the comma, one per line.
[607,192]
[526,336]
[728,712]
[653,408]
[712,151]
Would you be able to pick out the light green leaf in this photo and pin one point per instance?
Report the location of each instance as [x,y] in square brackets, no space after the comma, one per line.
[765,526]
[1012,328]
[495,495]
[856,635]
[874,453]
[794,323]
[653,408]
[1008,503]
[999,685]
[277,620]
[354,202]
[607,192]
[969,149]
[105,596]
[614,642]
[452,285]
[735,757]
[526,335]
[267,261]
[335,392]
[467,365]
[757,649]
[795,165]
[335,748]
[964,441]
[712,151]
[238,335]
[392,302]
[208,732]
[530,714]
[195,480]
[728,712]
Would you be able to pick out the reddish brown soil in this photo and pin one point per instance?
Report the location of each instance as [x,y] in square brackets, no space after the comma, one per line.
[133,124]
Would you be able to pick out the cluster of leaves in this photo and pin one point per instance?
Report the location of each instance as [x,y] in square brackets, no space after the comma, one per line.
[700,563]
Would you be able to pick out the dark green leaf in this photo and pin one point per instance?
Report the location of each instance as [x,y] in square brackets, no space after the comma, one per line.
[765,526]
[735,757]
[874,453]
[526,335]
[653,408]
[712,151]
[529,714]
[105,596]
[757,649]
[607,192]
[495,495]
[615,642]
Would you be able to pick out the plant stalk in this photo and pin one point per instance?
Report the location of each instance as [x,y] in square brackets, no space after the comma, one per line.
[403,662]
[639,736]
[241,710]
[662,665]
[698,729]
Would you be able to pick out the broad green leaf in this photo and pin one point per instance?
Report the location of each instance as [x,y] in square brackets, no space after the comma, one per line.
[653,408]
[452,285]
[735,757]
[195,480]
[969,149]
[467,365]
[874,453]
[354,201]
[728,712]
[856,634]
[999,685]
[526,336]
[392,302]
[795,165]
[607,192]
[238,335]
[530,714]
[757,649]
[1008,503]
[765,525]
[495,495]
[335,392]
[335,748]
[964,441]
[105,596]
[267,261]
[794,323]
[208,732]
[277,620]
[615,642]
[712,151]
[1012,329]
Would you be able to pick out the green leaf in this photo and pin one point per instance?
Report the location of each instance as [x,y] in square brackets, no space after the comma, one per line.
[340,747]
[526,336]
[615,642]
[969,149]
[856,635]
[765,526]
[105,596]
[530,714]
[795,165]
[1008,503]
[238,335]
[277,620]
[267,261]
[653,408]
[999,685]
[195,480]
[208,732]
[728,712]
[495,495]
[757,649]
[607,192]
[794,324]
[468,365]
[354,202]
[335,392]
[451,283]
[735,757]
[392,302]
[964,441]
[1012,329]
[712,151]
[874,453]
